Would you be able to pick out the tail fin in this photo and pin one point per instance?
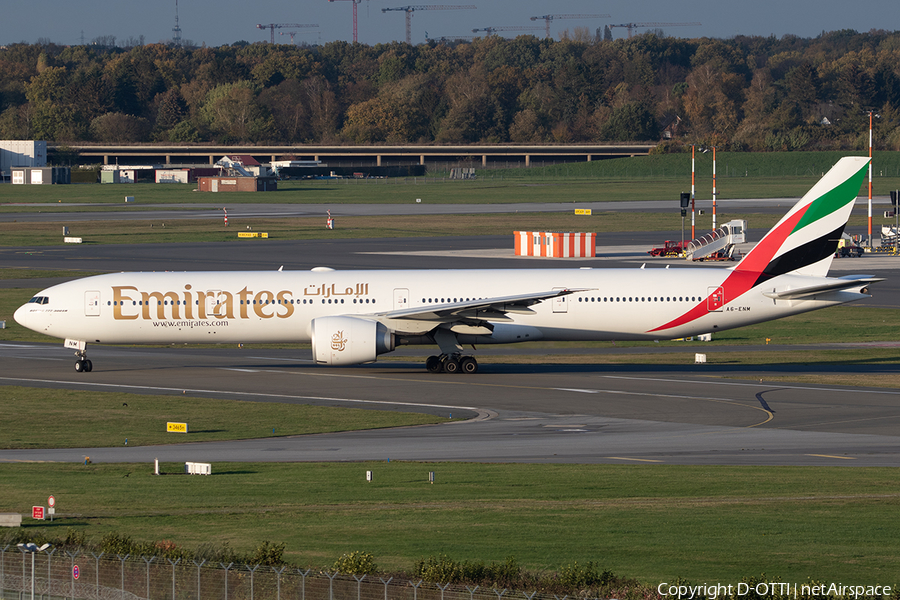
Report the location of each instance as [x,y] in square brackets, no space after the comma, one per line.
[804,241]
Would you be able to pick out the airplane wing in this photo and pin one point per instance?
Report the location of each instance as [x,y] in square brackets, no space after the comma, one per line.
[472,313]
[831,285]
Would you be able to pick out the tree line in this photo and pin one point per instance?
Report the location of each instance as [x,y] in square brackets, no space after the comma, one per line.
[739,94]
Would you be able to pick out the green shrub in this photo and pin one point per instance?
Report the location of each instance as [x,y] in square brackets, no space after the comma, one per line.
[443,569]
[580,577]
[356,563]
[215,553]
[115,544]
[438,569]
[268,554]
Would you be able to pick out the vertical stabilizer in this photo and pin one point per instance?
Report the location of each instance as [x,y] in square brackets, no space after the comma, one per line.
[804,241]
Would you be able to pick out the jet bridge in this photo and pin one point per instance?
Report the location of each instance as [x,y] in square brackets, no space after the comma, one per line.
[718,244]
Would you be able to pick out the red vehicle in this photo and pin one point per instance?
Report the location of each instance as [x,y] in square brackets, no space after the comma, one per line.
[669,248]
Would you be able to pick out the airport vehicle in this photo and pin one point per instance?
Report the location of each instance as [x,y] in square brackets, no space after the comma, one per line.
[669,248]
[351,317]
[849,247]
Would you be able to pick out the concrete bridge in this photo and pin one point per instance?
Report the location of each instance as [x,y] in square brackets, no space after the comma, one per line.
[486,156]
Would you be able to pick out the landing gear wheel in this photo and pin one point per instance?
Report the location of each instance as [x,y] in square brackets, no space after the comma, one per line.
[451,365]
[434,365]
[82,364]
[468,365]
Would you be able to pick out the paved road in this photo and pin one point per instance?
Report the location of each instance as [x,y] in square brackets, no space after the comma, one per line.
[24,212]
[536,413]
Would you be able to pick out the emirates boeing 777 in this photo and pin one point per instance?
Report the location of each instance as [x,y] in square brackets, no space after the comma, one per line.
[351,317]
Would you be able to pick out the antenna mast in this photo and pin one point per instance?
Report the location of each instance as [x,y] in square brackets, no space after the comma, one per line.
[176,31]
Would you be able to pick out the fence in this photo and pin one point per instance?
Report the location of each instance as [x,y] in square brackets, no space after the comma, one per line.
[68,574]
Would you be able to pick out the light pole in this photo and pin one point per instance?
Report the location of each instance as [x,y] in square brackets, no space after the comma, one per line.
[870,180]
[32,549]
[693,170]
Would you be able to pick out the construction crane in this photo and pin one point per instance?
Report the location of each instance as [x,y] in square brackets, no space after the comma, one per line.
[355,2]
[548,18]
[273,26]
[410,9]
[491,30]
[632,26]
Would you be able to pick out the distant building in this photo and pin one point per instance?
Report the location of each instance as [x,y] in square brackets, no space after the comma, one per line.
[21,153]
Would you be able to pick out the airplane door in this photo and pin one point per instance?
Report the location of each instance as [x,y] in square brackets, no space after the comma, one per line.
[716,299]
[401,298]
[92,304]
[212,303]
[560,303]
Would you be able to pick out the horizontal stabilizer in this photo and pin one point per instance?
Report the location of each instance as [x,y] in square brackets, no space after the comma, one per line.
[830,285]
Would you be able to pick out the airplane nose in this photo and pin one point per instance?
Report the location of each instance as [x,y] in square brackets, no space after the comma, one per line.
[21,315]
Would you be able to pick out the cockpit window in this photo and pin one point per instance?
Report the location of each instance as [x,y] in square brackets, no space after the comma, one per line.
[39,300]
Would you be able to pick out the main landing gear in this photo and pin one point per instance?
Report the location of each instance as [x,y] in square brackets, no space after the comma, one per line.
[83,365]
[452,363]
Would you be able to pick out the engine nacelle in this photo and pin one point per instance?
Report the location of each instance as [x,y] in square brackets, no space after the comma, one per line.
[349,340]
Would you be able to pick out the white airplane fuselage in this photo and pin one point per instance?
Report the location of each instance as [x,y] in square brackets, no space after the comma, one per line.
[280,306]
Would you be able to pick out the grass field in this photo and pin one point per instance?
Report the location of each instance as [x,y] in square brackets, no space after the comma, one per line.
[739,175]
[78,419]
[654,523]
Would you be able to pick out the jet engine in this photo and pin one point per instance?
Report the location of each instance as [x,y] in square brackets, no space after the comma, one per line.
[349,340]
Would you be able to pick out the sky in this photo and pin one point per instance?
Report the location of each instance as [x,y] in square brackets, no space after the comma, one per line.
[221,22]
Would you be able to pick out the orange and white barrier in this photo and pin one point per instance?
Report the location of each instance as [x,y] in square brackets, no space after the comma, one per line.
[551,244]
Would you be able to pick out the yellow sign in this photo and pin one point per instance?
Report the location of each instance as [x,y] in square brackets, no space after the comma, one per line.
[583,211]
[176,427]
[252,234]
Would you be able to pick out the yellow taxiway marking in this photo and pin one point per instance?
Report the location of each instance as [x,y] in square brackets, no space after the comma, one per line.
[832,456]
[637,459]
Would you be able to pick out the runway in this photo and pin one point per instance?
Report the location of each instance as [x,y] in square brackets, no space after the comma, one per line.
[74,212]
[516,413]
[544,412]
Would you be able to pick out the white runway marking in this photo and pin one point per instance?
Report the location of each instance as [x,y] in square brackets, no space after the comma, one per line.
[483,414]
[764,383]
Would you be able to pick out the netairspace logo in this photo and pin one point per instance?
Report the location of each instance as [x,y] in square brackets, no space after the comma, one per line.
[771,589]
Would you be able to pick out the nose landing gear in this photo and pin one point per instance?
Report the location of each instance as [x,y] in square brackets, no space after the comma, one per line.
[83,365]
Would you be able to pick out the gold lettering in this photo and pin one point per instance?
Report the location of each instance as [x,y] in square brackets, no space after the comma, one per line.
[201,304]
[244,295]
[227,303]
[188,303]
[262,301]
[118,298]
[157,298]
[160,300]
[284,299]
